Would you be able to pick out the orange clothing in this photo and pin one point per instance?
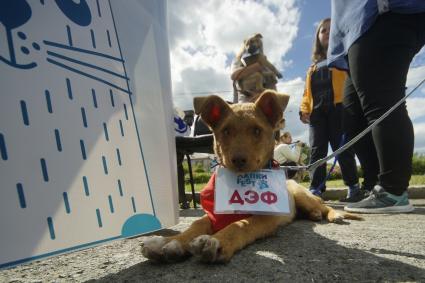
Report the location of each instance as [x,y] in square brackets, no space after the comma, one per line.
[338,79]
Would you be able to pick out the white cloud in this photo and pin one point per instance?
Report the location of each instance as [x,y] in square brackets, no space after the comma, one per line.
[295,89]
[205,35]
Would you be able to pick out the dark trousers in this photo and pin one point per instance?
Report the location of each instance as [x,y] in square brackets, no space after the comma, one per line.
[290,173]
[379,62]
[326,128]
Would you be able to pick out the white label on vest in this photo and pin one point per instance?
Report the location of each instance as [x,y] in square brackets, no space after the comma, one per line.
[259,192]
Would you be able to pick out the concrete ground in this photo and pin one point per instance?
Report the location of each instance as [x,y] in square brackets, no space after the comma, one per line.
[383,248]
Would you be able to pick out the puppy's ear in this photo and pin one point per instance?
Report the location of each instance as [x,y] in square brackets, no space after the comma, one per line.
[258,35]
[272,104]
[212,109]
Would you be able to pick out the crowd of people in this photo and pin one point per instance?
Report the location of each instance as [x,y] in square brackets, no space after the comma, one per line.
[359,67]
[360,59]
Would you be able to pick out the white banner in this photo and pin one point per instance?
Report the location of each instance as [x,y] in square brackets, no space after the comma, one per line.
[87,150]
[260,192]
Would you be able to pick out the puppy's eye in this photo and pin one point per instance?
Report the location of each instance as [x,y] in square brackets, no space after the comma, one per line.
[226,132]
[257,132]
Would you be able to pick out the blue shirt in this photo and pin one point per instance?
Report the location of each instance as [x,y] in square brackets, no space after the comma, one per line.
[350,19]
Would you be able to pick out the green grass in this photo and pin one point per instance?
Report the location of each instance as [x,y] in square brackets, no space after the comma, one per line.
[414,181]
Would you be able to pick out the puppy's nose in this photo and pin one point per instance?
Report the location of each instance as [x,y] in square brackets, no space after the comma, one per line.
[239,161]
[252,49]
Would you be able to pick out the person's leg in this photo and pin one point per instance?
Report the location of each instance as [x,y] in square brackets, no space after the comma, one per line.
[379,62]
[319,148]
[290,173]
[354,123]
[346,158]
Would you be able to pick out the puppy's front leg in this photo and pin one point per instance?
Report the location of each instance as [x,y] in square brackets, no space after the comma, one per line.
[221,246]
[175,248]
[314,207]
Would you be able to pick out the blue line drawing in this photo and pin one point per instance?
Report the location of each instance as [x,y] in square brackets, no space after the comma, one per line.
[24,113]
[119,157]
[25,50]
[44,169]
[51,228]
[14,14]
[105,130]
[98,9]
[79,13]
[68,87]
[54,54]
[22,35]
[105,166]
[125,111]
[86,186]
[66,201]
[134,117]
[58,140]
[68,32]
[21,195]
[76,49]
[122,128]
[86,74]
[99,218]
[58,252]
[83,150]
[93,40]
[133,204]
[83,114]
[112,98]
[109,38]
[139,224]
[93,93]
[48,101]
[3,149]
[111,205]
[120,188]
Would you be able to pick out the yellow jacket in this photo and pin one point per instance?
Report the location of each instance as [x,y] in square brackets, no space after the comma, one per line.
[338,79]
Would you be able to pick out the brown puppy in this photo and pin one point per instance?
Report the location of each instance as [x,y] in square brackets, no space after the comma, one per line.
[244,142]
[251,53]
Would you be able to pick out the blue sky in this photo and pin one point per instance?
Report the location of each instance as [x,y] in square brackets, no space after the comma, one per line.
[312,12]
[204,36]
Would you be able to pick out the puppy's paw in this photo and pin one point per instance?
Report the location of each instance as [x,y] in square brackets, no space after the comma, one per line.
[315,215]
[174,251]
[159,249]
[335,216]
[208,249]
[152,248]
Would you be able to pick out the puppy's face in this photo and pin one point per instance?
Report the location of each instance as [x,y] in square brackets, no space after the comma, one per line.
[243,133]
[254,44]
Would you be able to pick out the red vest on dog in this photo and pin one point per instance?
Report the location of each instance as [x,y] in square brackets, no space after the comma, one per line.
[218,221]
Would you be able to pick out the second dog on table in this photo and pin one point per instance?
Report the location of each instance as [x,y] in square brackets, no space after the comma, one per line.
[252,71]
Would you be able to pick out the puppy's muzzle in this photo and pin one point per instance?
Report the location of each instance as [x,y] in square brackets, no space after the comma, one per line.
[252,49]
[239,161]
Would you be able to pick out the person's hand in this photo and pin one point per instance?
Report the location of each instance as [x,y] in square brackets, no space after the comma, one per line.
[301,144]
[279,75]
[305,118]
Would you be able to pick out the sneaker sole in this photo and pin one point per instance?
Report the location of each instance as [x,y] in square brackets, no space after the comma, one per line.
[391,209]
